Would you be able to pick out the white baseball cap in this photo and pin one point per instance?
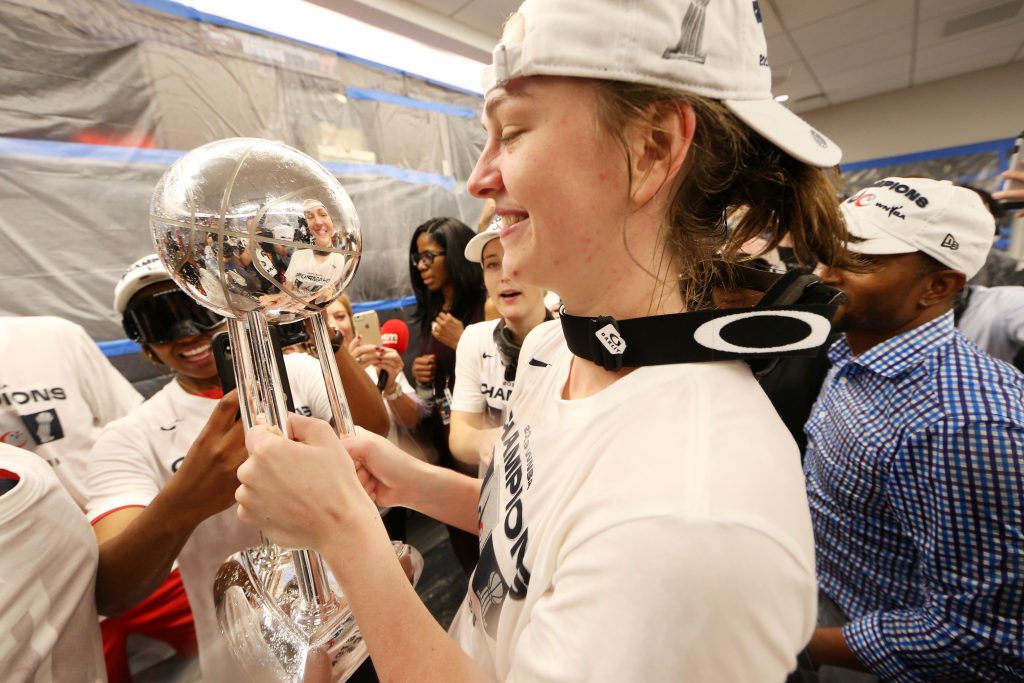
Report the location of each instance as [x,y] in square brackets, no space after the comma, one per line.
[144,272]
[310,204]
[715,49]
[903,215]
[475,248]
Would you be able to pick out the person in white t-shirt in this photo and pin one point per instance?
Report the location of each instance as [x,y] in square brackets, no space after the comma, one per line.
[488,353]
[57,390]
[48,622]
[161,479]
[638,522]
[315,270]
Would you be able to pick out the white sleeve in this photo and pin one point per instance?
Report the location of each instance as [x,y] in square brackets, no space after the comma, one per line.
[1015,319]
[309,388]
[407,388]
[467,397]
[121,470]
[663,599]
[109,395]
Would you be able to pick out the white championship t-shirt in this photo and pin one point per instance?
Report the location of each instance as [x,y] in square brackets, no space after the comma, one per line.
[480,385]
[135,456]
[306,272]
[57,390]
[48,625]
[655,531]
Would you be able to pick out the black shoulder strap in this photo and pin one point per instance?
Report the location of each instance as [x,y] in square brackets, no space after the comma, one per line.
[794,318]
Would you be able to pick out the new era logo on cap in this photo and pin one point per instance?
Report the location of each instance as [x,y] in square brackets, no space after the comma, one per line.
[904,215]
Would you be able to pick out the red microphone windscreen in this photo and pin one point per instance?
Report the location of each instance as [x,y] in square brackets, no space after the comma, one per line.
[394,334]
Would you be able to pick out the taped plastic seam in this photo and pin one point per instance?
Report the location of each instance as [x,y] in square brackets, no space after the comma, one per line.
[14,147]
[123,347]
[192,14]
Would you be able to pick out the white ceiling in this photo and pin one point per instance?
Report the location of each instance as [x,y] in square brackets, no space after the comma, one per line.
[822,52]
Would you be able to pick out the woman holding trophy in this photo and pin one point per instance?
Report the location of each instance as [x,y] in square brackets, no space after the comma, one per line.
[629,528]
[309,269]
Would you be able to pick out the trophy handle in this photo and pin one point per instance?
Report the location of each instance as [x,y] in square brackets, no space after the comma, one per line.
[309,568]
[245,380]
[241,358]
[335,391]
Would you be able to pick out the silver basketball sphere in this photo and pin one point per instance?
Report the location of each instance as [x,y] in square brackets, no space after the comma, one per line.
[245,224]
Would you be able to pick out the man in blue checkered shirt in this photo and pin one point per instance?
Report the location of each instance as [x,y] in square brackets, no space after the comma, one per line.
[915,458]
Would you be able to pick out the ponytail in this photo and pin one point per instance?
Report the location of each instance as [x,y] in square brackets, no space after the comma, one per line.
[730,170]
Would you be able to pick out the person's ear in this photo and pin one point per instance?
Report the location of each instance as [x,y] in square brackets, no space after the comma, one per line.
[942,286]
[150,354]
[658,147]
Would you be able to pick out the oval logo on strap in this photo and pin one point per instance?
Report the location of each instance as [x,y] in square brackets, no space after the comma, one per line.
[776,331]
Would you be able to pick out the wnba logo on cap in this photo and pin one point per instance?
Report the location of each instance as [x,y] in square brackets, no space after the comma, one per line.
[861,199]
[15,437]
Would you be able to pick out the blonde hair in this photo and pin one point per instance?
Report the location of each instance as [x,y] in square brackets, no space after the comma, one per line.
[347,303]
[729,166]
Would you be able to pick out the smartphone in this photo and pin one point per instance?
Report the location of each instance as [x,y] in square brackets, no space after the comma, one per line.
[367,326]
[222,357]
[1016,164]
[226,367]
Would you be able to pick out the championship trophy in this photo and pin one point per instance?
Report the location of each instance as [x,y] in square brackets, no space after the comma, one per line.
[261,233]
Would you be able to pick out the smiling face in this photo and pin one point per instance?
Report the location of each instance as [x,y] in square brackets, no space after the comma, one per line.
[435,275]
[561,186]
[320,224]
[516,302]
[190,357]
[338,318]
[891,295]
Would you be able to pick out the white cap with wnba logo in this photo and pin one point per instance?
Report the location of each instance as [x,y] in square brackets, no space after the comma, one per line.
[146,271]
[903,215]
[713,48]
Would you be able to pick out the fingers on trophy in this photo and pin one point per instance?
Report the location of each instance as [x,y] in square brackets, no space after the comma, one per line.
[262,234]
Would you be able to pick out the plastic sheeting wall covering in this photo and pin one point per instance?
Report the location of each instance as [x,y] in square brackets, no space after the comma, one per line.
[104,74]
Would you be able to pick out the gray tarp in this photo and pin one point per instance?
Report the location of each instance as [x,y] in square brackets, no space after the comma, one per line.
[96,73]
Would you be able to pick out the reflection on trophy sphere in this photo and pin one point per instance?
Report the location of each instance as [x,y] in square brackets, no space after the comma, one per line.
[245,224]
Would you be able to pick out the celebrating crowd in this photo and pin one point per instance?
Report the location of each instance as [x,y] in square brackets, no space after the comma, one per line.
[624,512]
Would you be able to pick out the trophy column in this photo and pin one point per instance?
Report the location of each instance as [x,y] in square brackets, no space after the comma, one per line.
[255,369]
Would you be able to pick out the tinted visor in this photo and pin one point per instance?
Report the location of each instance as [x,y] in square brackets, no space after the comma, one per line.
[167,317]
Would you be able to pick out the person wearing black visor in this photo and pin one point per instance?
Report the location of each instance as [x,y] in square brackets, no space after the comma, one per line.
[162,479]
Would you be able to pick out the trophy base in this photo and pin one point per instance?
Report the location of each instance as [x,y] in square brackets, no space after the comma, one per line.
[274,635]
